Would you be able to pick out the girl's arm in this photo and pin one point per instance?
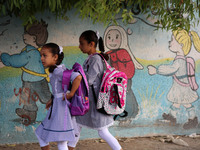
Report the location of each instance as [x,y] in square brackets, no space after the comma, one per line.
[75,84]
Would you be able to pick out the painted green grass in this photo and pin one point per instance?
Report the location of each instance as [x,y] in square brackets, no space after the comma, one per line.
[150,100]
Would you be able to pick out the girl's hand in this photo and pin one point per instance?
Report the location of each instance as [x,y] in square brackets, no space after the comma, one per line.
[68,95]
[48,104]
[151,70]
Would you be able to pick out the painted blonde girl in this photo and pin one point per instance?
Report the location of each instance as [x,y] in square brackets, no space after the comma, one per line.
[180,44]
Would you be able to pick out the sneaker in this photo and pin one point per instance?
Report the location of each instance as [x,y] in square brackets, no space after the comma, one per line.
[169,117]
[192,123]
[27,116]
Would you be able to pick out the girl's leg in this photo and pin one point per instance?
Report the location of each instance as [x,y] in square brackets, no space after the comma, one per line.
[172,114]
[72,144]
[109,138]
[192,118]
[43,145]
[62,145]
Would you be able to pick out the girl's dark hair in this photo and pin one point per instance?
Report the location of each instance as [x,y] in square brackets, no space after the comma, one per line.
[54,49]
[91,36]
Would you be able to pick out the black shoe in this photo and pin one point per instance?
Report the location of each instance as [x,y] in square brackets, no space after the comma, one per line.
[169,117]
[192,123]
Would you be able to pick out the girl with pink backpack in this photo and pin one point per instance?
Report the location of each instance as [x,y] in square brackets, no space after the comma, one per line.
[94,70]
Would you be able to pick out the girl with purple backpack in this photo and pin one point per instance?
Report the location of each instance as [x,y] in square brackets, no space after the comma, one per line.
[94,69]
[58,126]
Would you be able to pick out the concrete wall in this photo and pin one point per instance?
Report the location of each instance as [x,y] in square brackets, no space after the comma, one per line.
[132,48]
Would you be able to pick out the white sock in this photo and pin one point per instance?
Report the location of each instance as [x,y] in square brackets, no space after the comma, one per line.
[62,145]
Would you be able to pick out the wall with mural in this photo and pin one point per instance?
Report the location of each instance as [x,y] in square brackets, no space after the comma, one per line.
[162,69]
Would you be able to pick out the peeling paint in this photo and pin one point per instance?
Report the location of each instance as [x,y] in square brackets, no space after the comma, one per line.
[20,128]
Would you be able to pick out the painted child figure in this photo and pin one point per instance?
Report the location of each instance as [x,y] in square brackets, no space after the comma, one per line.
[122,59]
[34,84]
[180,44]
[58,126]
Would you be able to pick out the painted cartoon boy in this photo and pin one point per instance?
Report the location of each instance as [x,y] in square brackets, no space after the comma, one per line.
[34,84]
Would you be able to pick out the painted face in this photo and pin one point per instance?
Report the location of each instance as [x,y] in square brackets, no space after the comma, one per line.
[84,46]
[29,39]
[113,39]
[174,46]
[47,58]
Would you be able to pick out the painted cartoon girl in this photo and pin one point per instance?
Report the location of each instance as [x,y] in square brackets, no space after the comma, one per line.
[122,58]
[179,94]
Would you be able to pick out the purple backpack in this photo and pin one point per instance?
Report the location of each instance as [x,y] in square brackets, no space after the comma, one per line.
[80,102]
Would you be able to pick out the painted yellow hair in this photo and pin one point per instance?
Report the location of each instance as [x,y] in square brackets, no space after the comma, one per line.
[196,40]
[183,37]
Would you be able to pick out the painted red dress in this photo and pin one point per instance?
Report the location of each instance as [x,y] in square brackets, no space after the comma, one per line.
[121,60]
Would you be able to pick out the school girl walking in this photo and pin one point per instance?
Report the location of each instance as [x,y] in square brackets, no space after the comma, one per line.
[94,69]
[58,126]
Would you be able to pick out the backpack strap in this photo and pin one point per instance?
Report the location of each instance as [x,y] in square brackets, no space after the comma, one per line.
[177,78]
[66,79]
[179,82]
[78,68]
[107,65]
[125,114]
[95,98]
[52,97]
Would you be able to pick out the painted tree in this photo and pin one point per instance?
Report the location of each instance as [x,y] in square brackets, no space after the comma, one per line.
[170,14]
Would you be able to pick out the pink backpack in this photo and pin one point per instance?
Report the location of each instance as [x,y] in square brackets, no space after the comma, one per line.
[79,103]
[112,94]
[190,73]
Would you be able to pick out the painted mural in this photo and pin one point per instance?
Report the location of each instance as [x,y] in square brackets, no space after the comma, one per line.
[183,90]
[34,84]
[162,95]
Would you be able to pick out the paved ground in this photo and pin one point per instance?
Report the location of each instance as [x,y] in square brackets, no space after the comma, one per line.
[142,143]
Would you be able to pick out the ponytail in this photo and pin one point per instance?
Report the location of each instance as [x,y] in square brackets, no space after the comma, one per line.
[196,40]
[101,48]
[51,68]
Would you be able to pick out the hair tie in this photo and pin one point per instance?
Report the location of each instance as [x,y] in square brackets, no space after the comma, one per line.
[61,49]
[97,33]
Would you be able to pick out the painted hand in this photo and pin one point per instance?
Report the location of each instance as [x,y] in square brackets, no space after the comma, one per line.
[151,70]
